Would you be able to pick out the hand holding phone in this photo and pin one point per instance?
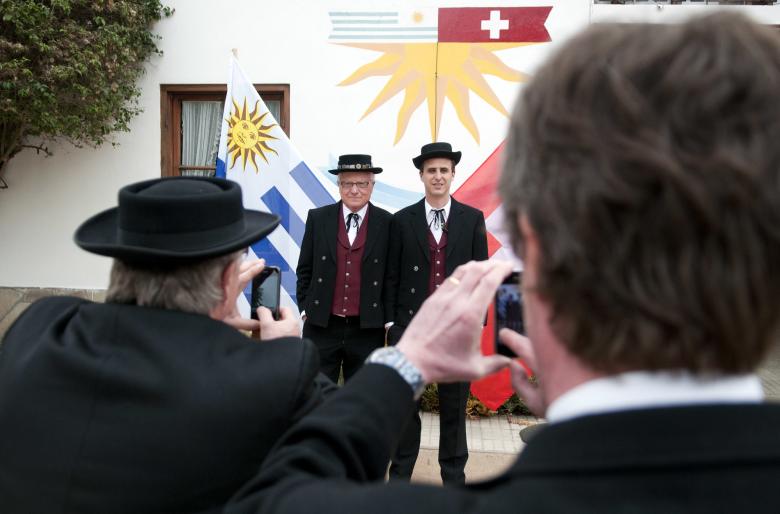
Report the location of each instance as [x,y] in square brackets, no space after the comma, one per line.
[509,310]
[266,290]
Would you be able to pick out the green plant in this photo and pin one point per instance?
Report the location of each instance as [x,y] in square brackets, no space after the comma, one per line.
[514,405]
[68,69]
[429,401]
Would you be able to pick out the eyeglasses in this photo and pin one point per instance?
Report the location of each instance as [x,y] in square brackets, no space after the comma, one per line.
[347,186]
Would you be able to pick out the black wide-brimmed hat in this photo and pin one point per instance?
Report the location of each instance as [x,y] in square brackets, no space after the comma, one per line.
[172,221]
[355,162]
[433,150]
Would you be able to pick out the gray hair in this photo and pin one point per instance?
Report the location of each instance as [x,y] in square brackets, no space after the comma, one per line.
[195,288]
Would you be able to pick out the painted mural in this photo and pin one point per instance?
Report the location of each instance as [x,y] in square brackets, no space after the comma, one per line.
[435,64]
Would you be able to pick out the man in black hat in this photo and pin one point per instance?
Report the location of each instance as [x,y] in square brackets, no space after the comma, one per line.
[152,402]
[341,271]
[429,239]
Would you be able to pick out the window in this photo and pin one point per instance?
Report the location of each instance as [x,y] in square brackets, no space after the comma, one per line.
[191,118]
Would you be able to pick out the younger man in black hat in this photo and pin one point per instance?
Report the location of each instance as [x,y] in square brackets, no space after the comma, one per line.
[341,271]
[152,402]
[428,240]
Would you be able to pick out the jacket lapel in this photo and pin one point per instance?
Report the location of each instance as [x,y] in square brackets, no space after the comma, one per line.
[454,220]
[331,228]
[420,226]
[372,232]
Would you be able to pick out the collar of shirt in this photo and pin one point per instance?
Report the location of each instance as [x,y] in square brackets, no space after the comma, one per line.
[346,212]
[643,389]
[429,208]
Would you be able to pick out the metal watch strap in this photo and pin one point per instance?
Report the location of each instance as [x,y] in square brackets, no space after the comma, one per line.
[394,358]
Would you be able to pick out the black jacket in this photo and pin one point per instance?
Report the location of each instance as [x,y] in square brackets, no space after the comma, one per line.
[409,258]
[695,459]
[108,408]
[317,265]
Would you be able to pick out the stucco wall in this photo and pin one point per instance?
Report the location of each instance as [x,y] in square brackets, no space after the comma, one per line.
[278,42]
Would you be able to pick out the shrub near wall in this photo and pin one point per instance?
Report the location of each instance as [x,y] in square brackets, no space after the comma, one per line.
[68,69]
[429,402]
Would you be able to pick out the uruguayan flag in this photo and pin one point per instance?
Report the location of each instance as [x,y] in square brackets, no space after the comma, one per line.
[256,153]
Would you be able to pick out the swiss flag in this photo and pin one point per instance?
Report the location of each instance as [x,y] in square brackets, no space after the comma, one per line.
[493,24]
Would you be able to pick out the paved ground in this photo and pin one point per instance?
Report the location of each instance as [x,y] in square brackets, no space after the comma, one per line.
[494,443]
[498,433]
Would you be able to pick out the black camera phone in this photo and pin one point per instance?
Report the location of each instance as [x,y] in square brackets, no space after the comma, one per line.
[509,310]
[265,291]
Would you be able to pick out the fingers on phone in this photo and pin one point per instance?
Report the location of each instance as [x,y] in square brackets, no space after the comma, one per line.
[264,314]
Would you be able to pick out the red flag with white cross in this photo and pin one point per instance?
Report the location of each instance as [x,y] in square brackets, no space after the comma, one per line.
[493,24]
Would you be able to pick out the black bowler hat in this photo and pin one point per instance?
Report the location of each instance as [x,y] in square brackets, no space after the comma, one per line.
[174,220]
[355,162]
[433,150]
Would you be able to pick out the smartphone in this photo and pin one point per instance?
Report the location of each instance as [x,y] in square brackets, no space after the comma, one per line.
[509,310]
[265,291]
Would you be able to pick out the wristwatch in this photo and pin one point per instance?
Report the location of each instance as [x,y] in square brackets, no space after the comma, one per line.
[394,358]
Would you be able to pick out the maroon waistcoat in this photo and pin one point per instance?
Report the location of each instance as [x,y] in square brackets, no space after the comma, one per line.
[438,255]
[349,259]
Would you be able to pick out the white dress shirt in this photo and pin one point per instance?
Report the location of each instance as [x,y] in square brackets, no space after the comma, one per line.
[352,230]
[644,389]
[437,230]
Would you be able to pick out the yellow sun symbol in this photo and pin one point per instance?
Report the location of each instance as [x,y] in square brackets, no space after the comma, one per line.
[247,135]
[435,72]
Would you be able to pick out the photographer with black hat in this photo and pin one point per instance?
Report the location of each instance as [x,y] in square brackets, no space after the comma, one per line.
[153,401]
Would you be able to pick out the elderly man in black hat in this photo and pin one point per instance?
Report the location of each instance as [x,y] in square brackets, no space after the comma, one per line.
[153,401]
[341,271]
[428,240]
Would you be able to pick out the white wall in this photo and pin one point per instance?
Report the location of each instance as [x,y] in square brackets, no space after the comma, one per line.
[279,42]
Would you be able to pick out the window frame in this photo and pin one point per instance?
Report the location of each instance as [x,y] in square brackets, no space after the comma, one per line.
[171,97]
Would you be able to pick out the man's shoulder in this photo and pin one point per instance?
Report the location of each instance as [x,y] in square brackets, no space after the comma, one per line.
[58,302]
[467,209]
[703,449]
[43,311]
[646,437]
[284,358]
[379,212]
[206,342]
[324,210]
[289,346]
[409,210]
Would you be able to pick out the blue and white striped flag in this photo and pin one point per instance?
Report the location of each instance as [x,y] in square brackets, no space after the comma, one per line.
[255,152]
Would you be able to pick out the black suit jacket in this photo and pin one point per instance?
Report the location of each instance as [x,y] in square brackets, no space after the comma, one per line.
[317,265]
[108,408]
[409,259]
[695,459]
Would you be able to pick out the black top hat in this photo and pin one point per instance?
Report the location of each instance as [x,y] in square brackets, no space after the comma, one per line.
[432,150]
[355,162]
[171,221]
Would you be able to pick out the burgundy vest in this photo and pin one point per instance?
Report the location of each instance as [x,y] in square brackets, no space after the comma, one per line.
[438,255]
[349,259]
